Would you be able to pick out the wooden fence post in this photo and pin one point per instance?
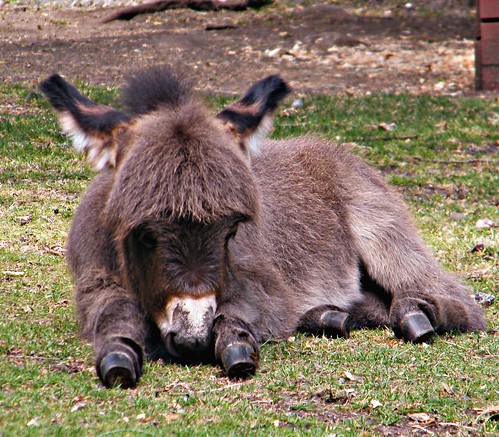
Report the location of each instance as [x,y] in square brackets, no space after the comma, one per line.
[487,46]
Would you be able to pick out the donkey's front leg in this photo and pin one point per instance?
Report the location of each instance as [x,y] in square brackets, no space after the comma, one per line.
[115,324]
[119,343]
[236,346]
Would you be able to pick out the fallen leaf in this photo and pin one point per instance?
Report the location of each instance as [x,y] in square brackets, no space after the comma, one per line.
[448,389]
[478,248]
[34,422]
[172,417]
[483,298]
[25,220]
[387,126]
[273,52]
[78,406]
[349,376]
[420,417]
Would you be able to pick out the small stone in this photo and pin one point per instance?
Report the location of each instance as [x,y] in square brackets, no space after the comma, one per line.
[484,223]
[478,248]
[25,220]
[483,299]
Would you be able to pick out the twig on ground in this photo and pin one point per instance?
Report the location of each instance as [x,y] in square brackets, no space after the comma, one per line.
[189,389]
[457,425]
[389,138]
[458,161]
[423,429]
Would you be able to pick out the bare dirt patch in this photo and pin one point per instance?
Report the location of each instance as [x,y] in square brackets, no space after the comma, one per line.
[319,48]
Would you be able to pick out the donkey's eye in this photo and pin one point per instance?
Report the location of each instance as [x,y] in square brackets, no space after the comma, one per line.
[231,234]
[146,238]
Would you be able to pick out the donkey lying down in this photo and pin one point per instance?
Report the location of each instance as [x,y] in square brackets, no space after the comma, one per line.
[199,238]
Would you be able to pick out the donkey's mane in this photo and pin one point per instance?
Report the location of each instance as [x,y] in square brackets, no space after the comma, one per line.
[157,86]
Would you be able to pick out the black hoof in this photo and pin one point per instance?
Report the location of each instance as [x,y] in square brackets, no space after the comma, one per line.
[336,324]
[416,328]
[117,369]
[239,360]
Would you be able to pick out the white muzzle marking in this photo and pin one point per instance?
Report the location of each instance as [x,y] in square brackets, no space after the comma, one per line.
[191,314]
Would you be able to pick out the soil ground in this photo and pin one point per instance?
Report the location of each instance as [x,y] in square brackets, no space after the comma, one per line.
[319,47]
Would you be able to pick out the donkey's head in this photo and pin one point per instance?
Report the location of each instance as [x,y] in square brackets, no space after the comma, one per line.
[182,184]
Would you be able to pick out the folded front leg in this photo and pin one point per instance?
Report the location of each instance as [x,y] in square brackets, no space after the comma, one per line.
[114,323]
[235,347]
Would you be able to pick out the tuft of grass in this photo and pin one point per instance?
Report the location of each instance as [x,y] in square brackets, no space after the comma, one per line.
[440,153]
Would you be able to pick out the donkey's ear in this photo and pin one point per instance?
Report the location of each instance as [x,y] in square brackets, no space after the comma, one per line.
[92,127]
[251,116]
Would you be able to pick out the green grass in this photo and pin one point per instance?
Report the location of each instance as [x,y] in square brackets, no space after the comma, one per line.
[441,154]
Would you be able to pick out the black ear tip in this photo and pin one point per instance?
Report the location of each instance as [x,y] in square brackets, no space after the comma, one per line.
[276,78]
[277,84]
[51,82]
[268,91]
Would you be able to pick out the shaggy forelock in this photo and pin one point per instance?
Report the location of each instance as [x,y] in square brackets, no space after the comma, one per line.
[181,167]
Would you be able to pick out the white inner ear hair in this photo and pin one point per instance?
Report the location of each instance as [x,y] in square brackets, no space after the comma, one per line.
[254,141]
[81,141]
[97,155]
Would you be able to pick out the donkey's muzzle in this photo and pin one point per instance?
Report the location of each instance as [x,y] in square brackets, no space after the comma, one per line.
[186,327]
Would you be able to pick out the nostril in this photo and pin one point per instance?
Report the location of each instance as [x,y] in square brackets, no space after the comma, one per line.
[179,345]
[171,346]
[186,348]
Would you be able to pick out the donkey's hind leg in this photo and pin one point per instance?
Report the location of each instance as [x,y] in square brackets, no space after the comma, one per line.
[327,320]
[370,311]
[423,298]
[117,328]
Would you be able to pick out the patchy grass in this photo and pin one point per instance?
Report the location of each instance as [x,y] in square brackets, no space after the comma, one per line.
[441,153]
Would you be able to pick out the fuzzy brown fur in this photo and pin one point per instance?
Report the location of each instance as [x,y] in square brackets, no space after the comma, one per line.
[180,210]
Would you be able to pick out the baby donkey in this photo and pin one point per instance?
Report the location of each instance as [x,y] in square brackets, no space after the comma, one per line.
[199,238]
